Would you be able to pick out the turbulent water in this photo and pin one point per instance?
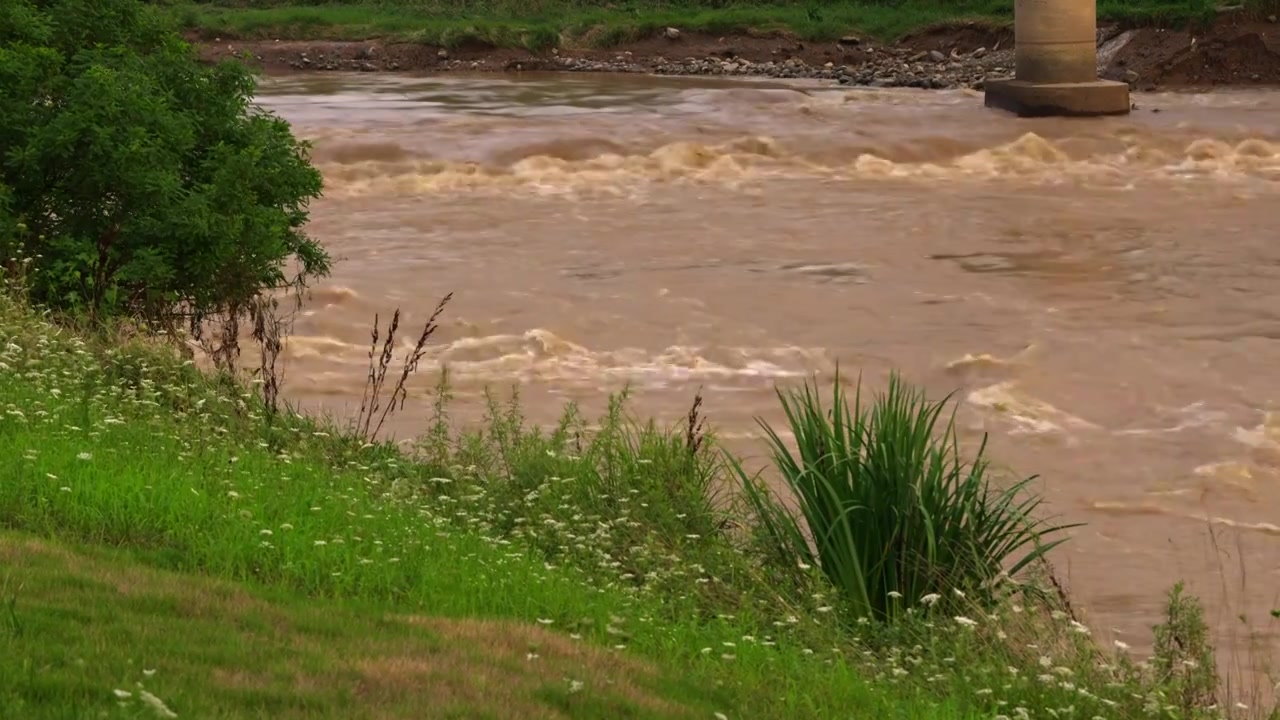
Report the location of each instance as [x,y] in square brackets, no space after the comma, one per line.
[1104,295]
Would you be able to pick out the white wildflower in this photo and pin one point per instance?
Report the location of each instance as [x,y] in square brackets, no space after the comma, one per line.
[967,622]
[156,704]
[930,599]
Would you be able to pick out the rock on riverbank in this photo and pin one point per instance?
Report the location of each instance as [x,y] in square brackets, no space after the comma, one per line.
[1240,52]
[880,67]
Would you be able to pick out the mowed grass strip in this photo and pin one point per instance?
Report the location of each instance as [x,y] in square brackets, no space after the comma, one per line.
[90,631]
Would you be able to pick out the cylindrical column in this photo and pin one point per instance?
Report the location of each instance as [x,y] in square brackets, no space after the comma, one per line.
[1056,41]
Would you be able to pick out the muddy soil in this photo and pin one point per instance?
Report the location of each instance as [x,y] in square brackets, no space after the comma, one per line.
[1236,51]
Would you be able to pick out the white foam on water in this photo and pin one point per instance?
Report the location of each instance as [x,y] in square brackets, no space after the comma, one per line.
[1029,415]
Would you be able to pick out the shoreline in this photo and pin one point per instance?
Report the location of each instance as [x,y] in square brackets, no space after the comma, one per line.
[1235,52]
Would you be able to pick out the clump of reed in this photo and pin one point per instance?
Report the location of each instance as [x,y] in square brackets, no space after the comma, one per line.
[888,507]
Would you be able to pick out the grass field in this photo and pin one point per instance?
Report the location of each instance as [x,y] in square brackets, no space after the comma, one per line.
[539,25]
[89,631]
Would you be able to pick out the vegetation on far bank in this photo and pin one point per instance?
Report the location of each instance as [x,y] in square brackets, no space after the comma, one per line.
[176,543]
[599,24]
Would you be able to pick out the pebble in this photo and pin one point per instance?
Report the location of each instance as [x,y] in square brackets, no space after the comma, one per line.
[885,68]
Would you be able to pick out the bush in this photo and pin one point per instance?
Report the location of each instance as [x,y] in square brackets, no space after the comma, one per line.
[145,181]
[894,514]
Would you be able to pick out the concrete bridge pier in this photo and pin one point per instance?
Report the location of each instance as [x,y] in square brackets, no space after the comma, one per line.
[1056,64]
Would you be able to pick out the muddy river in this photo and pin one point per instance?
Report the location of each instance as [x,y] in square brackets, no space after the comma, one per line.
[1104,295]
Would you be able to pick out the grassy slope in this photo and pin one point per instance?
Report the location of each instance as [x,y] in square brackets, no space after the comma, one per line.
[129,449]
[537,25]
[156,521]
[87,630]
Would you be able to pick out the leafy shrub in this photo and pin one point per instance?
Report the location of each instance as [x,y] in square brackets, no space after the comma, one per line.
[1182,660]
[895,515]
[146,182]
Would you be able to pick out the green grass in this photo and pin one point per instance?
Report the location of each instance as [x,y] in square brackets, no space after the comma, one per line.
[539,25]
[87,630]
[587,27]
[263,563]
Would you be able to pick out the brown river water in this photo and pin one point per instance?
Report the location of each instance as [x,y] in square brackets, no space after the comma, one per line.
[1103,295]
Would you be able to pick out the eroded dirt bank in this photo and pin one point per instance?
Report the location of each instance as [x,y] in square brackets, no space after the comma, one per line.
[1235,51]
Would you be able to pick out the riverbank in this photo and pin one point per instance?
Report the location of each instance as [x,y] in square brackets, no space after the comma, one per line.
[1235,48]
[218,558]
[163,533]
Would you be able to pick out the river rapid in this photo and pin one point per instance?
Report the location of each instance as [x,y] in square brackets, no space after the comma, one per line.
[1103,295]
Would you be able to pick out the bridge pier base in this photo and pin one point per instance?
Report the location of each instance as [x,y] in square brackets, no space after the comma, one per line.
[1056,64]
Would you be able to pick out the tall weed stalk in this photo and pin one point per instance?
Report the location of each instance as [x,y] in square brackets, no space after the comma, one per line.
[888,505]
[372,403]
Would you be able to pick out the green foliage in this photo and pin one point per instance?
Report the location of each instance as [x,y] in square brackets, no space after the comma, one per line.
[541,24]
[146,182]
[1183,659]
[8,228]
[894,512]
